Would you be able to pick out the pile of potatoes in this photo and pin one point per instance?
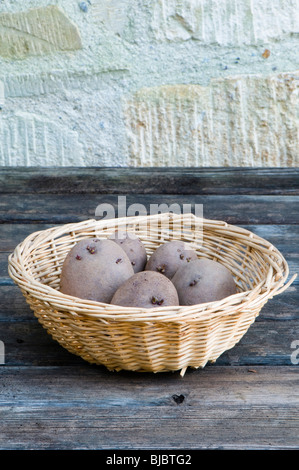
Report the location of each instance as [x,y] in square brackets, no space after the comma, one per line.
[118,271]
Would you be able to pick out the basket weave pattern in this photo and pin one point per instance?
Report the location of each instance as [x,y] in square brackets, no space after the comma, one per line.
[158,339]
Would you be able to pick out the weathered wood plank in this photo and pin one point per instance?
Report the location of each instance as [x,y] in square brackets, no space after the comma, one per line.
[221,407]
[59,209]
[150,180]
[284,237]
[248,399]
[12,234]
[13,305]
[28,344]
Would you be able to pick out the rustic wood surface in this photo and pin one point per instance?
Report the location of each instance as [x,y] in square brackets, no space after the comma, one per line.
[248,399]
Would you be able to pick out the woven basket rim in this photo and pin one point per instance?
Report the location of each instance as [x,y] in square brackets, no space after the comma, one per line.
[273,284]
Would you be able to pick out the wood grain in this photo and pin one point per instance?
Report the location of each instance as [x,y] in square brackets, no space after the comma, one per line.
[150,180]
[65,208]
[248,399]
[88,408]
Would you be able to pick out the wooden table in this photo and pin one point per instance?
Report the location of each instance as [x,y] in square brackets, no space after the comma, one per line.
[248,399]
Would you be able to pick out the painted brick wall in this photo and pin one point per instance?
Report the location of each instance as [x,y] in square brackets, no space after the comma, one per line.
[149,83]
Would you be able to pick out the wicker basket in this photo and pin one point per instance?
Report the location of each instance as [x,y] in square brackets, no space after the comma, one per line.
[158,339]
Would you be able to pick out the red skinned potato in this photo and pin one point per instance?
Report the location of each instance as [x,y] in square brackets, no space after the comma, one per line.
[169,257]
[203,281]
[146,289]
[133,247]
[94,269]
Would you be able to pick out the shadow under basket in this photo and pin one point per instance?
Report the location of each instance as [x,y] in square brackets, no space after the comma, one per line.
[158,339]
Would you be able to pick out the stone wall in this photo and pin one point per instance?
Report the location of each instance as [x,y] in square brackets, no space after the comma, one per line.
[149,83]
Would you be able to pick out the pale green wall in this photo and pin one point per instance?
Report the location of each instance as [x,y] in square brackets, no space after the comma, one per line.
[141,83]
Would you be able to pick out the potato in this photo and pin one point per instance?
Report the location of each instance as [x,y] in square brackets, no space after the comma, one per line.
[146,289]
[169,256]
[203,281]
[133,247]
[94,269]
